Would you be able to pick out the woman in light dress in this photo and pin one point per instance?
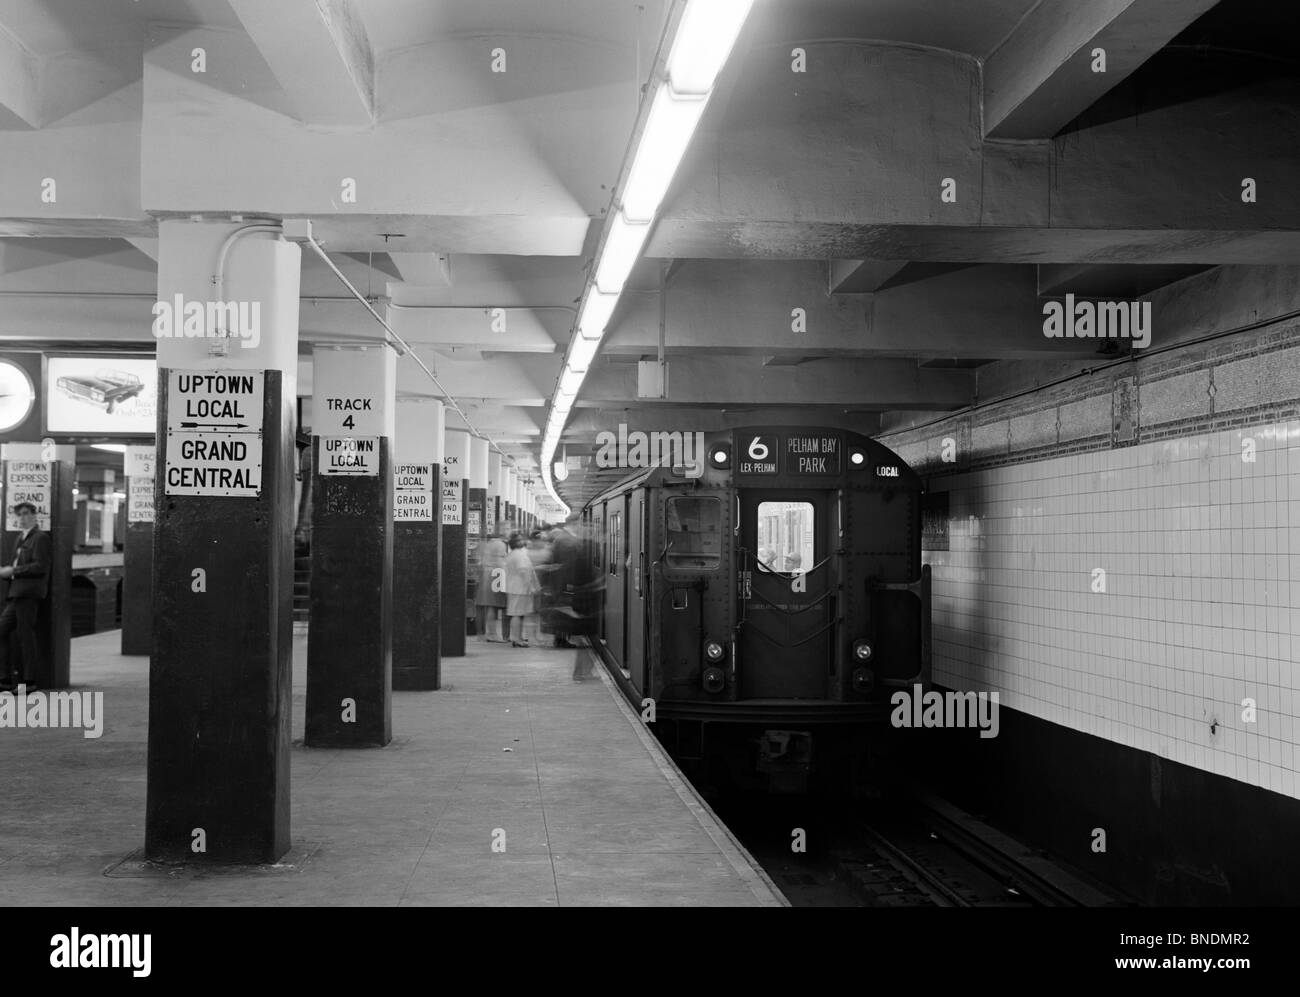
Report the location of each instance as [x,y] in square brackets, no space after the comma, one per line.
[521,590]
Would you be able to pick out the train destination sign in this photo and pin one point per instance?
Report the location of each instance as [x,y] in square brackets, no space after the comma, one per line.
[355,455]
[228,464]
[757,455]
[812,454]
[216,401]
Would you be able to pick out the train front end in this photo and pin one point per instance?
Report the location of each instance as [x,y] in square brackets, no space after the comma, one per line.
[789,603]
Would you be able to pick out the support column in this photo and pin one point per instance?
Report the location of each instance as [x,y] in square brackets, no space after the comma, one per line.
[417,606]
[455,485]
[495,485]
[42,474]
[137,552]
[476,521]
[511,496]
[349,638]
[220,693]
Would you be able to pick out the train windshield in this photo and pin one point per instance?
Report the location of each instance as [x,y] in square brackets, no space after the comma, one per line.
[785,536]
[694,533]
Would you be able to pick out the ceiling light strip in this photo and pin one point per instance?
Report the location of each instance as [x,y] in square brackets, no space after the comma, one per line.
[697,40]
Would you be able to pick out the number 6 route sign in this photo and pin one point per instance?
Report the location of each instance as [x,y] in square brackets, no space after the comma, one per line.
[757,455]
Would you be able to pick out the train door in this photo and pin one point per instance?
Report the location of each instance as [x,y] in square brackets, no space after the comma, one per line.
[596,564]
[634,660]
[787,607]
[616,577]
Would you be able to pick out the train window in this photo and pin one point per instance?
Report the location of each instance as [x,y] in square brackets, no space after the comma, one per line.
[785,536]
[694,533]
[615,541]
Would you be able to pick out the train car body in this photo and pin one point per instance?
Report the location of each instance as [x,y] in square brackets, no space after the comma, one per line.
[763,603]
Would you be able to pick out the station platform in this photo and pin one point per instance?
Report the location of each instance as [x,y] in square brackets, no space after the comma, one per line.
[593,813]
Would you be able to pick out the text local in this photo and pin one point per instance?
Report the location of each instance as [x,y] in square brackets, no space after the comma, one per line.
[347,452]
[232,385]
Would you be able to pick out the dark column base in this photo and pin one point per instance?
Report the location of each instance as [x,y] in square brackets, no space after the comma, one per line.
[454,589]
[349,642]
[220,680]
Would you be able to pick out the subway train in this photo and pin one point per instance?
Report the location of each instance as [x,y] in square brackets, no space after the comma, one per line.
[761,601]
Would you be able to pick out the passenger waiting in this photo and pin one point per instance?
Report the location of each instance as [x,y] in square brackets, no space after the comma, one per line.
[490,595]
[521,590]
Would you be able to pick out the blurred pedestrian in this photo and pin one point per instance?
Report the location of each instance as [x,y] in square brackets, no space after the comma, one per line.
[521,590]
[490,594]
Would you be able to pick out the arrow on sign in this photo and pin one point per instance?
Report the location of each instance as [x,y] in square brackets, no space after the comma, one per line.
[214,425]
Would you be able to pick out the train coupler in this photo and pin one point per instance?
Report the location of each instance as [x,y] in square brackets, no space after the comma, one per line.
[785,757]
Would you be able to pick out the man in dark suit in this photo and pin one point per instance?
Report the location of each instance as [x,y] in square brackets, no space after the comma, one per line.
[29,583]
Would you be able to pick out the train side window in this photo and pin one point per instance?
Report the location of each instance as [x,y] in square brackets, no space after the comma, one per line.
[694,531]
[615,541]
[785,532]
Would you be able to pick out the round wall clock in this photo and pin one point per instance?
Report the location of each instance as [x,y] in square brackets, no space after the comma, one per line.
[17,395]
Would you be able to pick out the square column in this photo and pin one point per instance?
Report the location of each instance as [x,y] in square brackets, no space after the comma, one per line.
[220,692]
[349,642]
[417,589]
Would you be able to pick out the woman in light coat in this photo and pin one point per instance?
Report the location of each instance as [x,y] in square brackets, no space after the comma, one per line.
[521,589]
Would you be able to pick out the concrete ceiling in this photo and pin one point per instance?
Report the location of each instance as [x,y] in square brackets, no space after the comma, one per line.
[805,267]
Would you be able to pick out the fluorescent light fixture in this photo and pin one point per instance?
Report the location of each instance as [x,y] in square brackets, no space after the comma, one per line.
[622,249]
[110,447]
[668,131]
[570,381]
[705,37]
[562,404]
[597,307]
[581,352]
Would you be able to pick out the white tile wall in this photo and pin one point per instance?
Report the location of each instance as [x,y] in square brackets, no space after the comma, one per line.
[1201,551]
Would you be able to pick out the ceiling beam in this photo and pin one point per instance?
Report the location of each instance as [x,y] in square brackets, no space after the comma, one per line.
[1154,181]
[1065,54]
[986,312]
[426,269]
[862,276]
[720,381]
[319,52]
[20,73]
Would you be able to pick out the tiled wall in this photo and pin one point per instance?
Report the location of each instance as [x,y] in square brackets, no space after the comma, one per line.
[1201,609]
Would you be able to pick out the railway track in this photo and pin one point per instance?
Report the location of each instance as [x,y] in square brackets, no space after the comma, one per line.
[930,853]
[913,850]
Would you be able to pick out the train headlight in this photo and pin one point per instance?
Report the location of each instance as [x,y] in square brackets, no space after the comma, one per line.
[714,680]
[864,680]
[857,458]
[862,650]
[713,650]
[720,455]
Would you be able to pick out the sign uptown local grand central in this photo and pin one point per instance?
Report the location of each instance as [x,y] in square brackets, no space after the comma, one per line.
[214,433]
